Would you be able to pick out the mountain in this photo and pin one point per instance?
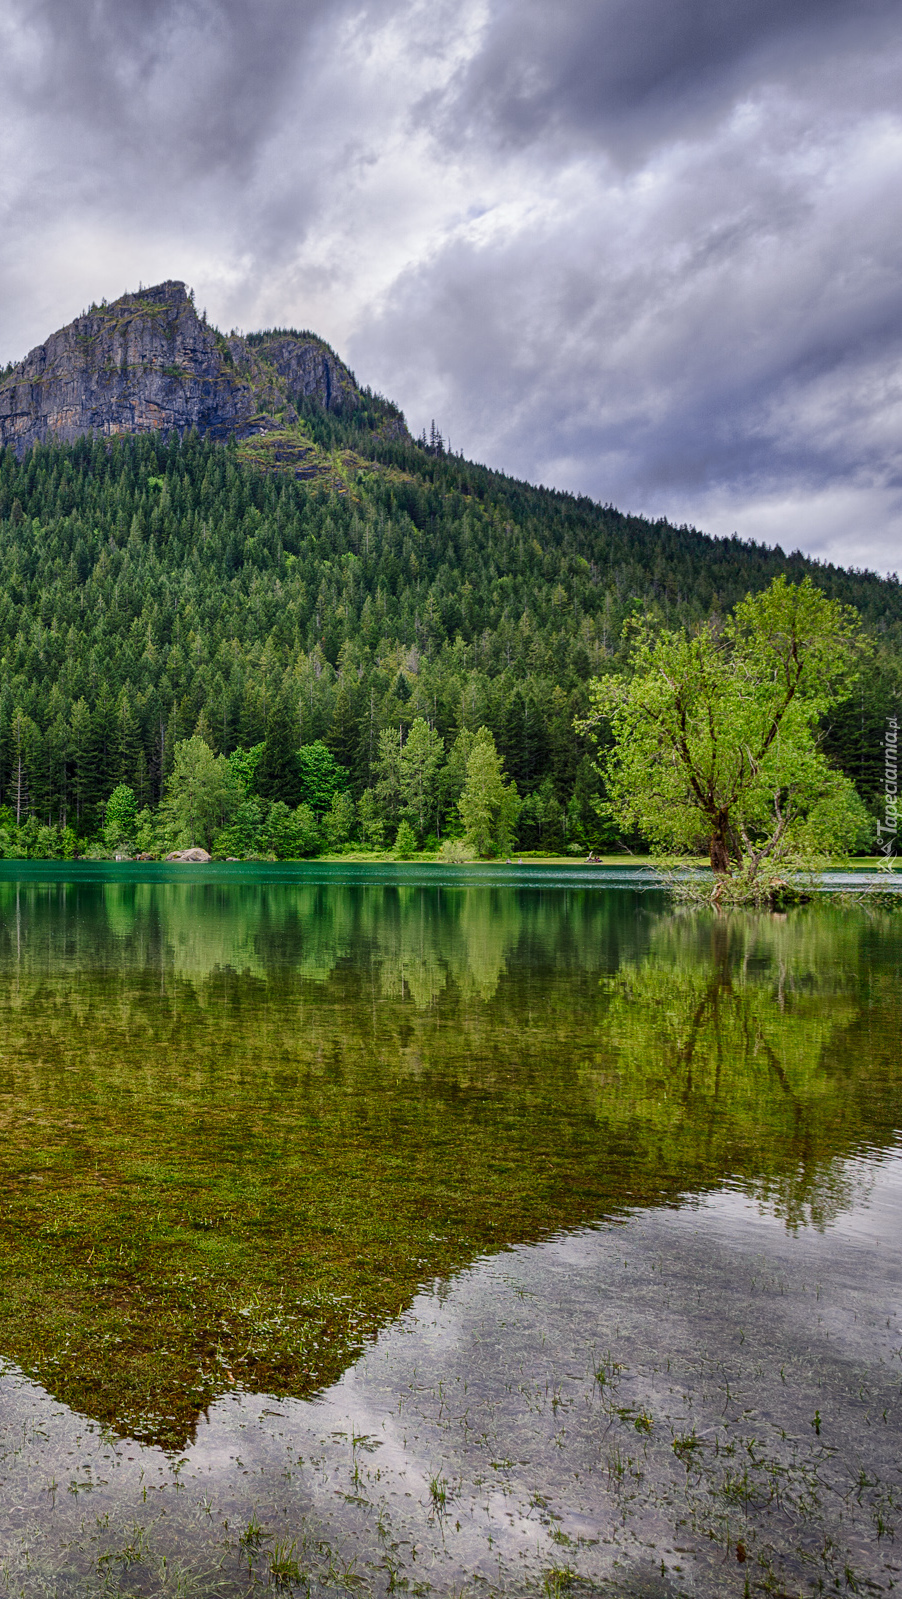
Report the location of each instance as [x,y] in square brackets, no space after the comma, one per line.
[149,363]
[231,537]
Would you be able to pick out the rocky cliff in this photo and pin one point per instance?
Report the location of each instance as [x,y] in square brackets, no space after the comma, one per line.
[148,362]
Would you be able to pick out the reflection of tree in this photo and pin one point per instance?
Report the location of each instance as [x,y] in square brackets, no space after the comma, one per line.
[729,1045]
[318,1093]
[414,941]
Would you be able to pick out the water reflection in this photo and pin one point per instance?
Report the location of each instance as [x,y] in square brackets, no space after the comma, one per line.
[259,1114]
[691,1401]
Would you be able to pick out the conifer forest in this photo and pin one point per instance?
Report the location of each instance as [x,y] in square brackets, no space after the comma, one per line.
[197,646]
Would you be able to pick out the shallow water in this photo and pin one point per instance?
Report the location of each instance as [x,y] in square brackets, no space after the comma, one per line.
[497,1236]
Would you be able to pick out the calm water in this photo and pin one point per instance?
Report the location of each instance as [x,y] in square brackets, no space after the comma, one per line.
[477,1230]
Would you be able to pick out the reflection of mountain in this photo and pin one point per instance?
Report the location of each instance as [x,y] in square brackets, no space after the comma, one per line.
[256,1115]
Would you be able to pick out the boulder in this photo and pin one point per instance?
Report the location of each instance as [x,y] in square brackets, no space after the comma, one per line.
[190,857]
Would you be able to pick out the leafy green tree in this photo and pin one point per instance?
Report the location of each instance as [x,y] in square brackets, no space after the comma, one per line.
[338,822]
[452,778]
[405,841]
[244,764]
[290,835]
[307,835]
[145,832]
[370,822]
[242,836]
[321,776]
[489,804]
[420,762]
[280,832]
[716,732]
[165,588]
[202,793]
[121,818]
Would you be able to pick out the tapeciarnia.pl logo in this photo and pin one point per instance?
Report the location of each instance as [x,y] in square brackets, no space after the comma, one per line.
[887,830]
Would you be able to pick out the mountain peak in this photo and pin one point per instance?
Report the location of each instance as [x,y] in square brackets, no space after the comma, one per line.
[148,363]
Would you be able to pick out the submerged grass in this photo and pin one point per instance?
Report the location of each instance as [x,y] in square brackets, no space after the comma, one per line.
[240,1127]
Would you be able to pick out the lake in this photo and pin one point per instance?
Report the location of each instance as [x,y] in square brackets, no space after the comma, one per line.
[485,1229]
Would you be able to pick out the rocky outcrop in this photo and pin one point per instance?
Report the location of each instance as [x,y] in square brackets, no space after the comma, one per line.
[190,857]
[305,365]
[148,362]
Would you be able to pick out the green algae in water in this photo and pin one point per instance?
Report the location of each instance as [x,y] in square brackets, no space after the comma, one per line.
[245,1119]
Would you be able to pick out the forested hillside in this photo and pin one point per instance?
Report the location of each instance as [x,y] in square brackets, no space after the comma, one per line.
[154,589]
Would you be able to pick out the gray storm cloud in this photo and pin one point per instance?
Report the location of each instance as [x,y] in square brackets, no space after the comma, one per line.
[648,251]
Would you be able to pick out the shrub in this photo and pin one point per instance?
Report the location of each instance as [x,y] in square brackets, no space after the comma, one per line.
[454,852]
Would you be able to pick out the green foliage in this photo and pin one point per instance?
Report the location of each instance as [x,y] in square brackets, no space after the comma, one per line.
[388,770]
[715,733]
[454,852]
[242,836]
[121,817]
[321,777]
[418,769]
[308,840]
[278,774]
[244,764]
[489,805]
[202,794]
[405,841]
[370,823]
[151,590]
[338,822]
[259,830]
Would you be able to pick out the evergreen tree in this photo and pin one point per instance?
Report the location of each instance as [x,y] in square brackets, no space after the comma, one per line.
[81,743]
[278,774]
[388,770]
[129,745]
[21,737]
[163,587]
[370,821]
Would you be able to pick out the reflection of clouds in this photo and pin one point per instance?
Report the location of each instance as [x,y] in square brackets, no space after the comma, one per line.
[488,1385]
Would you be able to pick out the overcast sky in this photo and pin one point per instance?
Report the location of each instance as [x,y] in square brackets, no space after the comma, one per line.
[649,250]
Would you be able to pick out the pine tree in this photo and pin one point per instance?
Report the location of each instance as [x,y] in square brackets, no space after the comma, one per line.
[388,768]
[20,741]
[128,740]
[81,745]
[278,774]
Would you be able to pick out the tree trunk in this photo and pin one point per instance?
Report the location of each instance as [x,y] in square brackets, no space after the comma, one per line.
[719,854]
